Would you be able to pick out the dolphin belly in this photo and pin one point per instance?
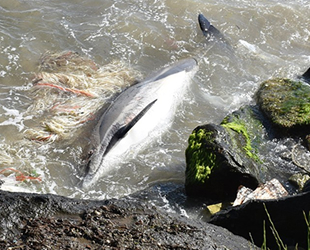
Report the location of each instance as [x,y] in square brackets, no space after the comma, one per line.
[137,116]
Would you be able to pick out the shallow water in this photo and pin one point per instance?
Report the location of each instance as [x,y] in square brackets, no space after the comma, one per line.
[264,39]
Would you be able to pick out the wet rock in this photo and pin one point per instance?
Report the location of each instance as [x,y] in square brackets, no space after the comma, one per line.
[241,150]
[252,220]
[214,168]
[285,102]
[33,221]
[299,180]
[306,187]
[250,146]
[306,76]
[270,190]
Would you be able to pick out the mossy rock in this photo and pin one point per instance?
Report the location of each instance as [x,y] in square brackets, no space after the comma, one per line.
[246,130]
[285,102]
[202,155]
[250,145]
[242,150]
[221,157]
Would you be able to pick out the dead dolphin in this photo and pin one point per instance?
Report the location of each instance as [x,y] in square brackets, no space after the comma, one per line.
[138,112]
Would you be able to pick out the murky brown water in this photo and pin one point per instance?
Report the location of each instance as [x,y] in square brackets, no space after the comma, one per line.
[266,39]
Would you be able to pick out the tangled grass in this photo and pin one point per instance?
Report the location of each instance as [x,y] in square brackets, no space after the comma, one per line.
[69,90]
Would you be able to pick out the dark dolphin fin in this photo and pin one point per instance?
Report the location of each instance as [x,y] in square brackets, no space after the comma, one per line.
[123,130]
[207,28]
[306,76]
[204,24]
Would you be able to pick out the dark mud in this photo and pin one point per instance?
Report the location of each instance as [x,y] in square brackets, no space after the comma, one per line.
[32,221]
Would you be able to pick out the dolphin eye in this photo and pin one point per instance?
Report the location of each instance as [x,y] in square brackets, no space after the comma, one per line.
[89,154]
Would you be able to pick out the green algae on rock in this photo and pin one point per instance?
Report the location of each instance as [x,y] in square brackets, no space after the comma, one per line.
[285,102]
[221,157]
[207,171]
[233,123]
[200,161]
[242,149]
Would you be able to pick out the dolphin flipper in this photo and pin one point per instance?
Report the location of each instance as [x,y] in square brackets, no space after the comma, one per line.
[121,132]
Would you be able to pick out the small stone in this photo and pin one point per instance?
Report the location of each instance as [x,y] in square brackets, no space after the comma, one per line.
[272,189]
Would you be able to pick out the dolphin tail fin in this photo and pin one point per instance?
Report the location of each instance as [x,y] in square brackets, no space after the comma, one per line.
[306,76]
[207,28]
[123,130]
[204,24]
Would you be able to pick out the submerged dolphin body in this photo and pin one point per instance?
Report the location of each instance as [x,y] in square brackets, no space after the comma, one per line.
[138,112]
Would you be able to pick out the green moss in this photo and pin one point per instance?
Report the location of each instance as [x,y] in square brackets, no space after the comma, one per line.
[286,102]
[239,127]
[200,161]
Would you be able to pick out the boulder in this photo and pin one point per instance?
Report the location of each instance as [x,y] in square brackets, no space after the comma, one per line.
[34,221]
[262,151]
[250,146]
[257,220]
[285,102]
[214,167]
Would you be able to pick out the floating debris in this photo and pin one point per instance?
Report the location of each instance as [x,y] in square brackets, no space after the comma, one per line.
[5,157]
[214,208]
[69,90]
[75,91]
[19,175]
[66,61]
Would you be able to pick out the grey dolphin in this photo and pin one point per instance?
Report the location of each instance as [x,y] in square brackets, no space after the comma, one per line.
[138,111]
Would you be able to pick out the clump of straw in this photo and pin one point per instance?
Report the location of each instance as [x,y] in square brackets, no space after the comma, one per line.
[69,90]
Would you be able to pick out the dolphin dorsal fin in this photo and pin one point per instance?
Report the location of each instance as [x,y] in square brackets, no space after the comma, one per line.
[121,132]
